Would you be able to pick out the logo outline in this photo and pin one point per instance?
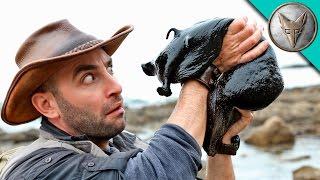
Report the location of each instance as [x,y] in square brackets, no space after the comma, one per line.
[315,27]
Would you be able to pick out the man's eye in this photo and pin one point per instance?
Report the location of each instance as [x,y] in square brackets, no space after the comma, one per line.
[110,71]
[88,79]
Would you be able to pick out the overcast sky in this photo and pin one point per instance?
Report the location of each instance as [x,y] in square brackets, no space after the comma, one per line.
[151,19]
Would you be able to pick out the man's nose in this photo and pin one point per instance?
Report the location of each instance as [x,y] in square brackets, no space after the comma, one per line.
[111,86]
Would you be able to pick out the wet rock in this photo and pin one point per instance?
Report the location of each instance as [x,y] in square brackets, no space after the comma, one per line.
[306,173]
[1,132]
[273,132]
[243,155]
[298,111]
[298,106]
[149,114]
[299,158]
[19,137]
[133,129]
[305,100]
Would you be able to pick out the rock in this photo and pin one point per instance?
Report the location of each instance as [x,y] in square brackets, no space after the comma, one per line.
[317,113]
[19,137]
[149,114]
[299,158]
[243,155]
[306,173]
[2,132]
[133,129]
[298,111]
[273,132]
[298,106]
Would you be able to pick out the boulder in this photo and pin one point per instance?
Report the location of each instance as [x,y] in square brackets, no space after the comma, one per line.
[149,114]
[2,132]
[273,132]
[306,173]
[289,112]
[19,137]
[300,107]
[299,158]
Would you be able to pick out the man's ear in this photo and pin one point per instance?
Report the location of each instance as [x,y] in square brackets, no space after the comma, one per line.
[45,103]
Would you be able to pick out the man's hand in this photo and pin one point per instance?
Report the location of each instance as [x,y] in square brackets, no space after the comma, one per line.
[238,43]
[220,165]
[236,128]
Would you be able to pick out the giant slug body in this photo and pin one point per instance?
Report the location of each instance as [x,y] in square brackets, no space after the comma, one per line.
[252,86]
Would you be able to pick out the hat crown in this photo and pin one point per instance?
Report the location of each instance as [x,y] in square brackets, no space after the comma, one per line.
[52,40]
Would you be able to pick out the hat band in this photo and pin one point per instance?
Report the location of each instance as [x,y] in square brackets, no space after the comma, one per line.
[84,46]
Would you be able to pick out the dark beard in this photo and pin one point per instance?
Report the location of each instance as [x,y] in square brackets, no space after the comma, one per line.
[83,121]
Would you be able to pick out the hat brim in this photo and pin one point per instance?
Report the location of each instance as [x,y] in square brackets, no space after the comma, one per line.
[17,107]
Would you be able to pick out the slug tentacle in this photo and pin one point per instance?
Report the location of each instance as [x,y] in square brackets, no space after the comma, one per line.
[176,32]
[149,69]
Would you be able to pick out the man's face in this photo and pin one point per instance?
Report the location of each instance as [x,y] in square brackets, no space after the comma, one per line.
[89,98]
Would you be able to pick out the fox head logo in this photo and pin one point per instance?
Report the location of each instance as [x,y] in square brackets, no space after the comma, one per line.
[292,29]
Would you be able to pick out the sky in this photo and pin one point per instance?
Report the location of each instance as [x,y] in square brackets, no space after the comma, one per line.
[151,19]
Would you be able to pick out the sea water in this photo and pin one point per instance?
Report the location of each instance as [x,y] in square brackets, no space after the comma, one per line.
[253,163]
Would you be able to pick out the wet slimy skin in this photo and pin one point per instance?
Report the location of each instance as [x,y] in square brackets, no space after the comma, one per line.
[189,53]
[252,86]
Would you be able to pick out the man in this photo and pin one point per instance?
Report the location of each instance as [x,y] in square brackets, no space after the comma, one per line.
[66,77]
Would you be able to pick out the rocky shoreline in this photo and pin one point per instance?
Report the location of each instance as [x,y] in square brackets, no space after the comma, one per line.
[296,112]
[299,108]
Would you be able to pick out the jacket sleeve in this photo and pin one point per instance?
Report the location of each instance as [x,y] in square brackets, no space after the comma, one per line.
[172,154]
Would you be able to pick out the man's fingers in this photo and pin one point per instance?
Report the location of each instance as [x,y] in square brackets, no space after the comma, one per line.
[246,32]
[237,25]
[243,122]
[245,113]
[255,52]
[250,42]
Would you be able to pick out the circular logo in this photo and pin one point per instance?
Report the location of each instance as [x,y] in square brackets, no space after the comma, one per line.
[292,27]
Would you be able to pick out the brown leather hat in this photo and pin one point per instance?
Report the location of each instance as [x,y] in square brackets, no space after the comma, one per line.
[45,51]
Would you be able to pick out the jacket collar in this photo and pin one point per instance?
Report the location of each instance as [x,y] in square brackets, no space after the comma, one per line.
[58,133]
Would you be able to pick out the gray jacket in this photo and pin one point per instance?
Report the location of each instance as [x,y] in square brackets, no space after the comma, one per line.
[172,154]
